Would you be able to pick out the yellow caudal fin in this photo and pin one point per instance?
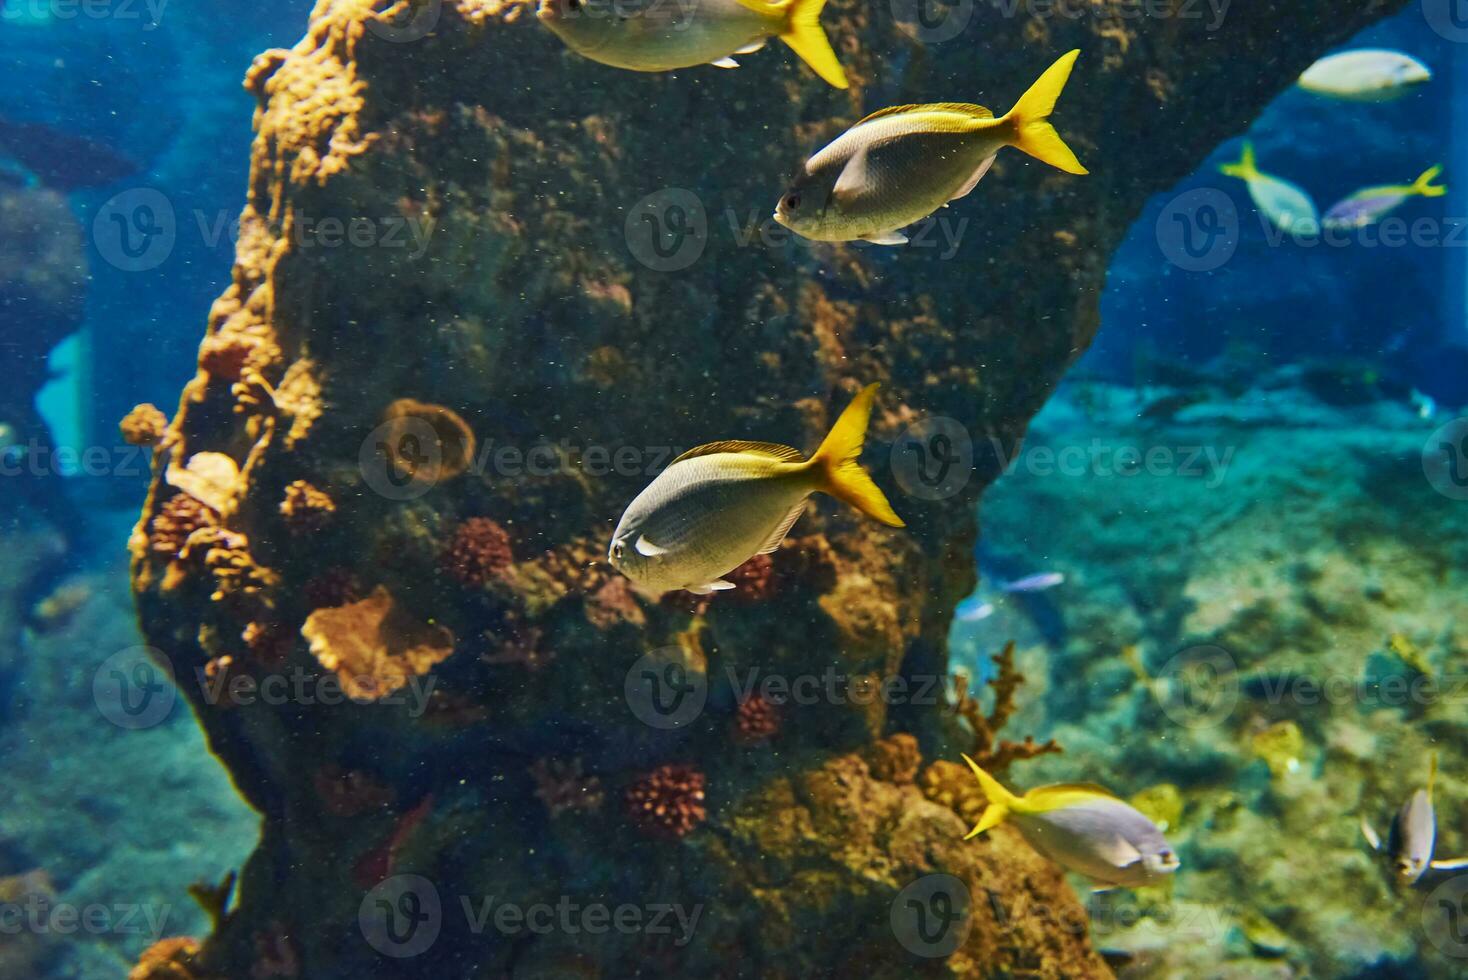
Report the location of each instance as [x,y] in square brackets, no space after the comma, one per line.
[1245,169]
[836,467]
[1030,118]
[1001,801]
[806,37]
[1424,185]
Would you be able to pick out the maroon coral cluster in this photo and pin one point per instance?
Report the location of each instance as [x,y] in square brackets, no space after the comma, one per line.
[754,581]
[756,720]
[478,551]
[667,802]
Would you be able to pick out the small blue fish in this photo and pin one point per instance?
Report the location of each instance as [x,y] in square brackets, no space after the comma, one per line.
[1412,838]
[1034,583]
[973,609]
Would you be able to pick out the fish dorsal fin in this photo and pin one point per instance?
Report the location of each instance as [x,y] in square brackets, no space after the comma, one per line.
[966,108]
[772,449]
[778,534]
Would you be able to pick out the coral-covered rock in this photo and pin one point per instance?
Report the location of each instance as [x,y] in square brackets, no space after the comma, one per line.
[224,356]
[144,425]
[895,759]
[478,551]
[667,802]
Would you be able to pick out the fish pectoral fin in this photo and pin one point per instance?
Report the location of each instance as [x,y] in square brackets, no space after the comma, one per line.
[885,238]
[725,62]
[716,586]
[783,528]
[1453,864]
[752,48]
[647,549]
[1369,832]
[974,180]
[855,181]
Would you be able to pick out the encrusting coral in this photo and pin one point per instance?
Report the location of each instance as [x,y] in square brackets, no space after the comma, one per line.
[375,645]
[180,516]
[168,959]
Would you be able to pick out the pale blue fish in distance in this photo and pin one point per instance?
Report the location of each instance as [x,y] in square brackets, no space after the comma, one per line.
[1034,583]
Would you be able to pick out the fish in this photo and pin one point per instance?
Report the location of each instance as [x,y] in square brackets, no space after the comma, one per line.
[1083,828]
[973,609]
[899,165]
[1370,204]
[1285,205]
[62,161]
[1365,75]
[664,35]
[719,505]
[1034,583]
[1412,837]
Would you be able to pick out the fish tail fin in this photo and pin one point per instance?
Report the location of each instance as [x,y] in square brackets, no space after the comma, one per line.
[1001,800]
[836,465]
[1424,185]
[1246,168]
[1029,120]
[806,37]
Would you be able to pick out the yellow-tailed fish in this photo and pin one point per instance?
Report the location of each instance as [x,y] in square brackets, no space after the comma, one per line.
[663,35]
[1284,205]
[1413,837]
[719,505]
[1365,75]
[899,165]
[1082,828]
[1370,204]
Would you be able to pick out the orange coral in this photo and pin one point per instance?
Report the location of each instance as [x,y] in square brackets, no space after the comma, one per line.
[306,508]
[144,425]
[167,959]
[429,443]
[180,516]
[224,356]
[375,645]
[993,754]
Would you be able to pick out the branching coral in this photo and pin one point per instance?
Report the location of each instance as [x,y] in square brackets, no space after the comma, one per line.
[375,645]
[667,802]
[994,754]
[144,425]
[237,576]
[168,959]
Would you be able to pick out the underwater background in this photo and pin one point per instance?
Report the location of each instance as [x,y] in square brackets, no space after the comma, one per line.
[1224,526]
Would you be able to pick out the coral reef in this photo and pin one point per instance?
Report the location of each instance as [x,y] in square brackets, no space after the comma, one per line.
[535,361]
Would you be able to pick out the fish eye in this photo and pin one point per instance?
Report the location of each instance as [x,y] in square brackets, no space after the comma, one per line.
[617,551]
[791,202]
